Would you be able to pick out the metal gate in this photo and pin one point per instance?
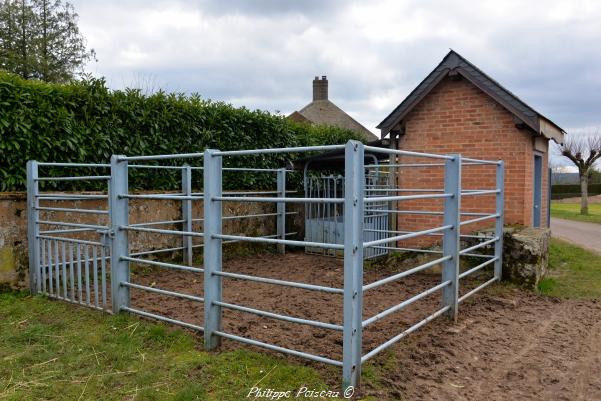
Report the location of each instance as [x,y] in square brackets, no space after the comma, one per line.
[69,260]
[324,221]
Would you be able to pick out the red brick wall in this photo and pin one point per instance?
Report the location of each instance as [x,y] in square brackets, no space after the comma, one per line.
[456,117]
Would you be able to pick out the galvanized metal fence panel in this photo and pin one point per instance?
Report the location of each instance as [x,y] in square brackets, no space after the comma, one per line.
[347,214]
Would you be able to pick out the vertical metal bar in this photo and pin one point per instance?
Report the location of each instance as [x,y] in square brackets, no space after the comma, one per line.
[119,214]
[79,280]
[64,273]
[71,272]
[50,267]
[500,210]
[212,249]
[187,213]
[450,241]
[103,270]
[95,272]
[33,229]
[57,263]
[353,262]
[44,263]
[281,208]
[86,255]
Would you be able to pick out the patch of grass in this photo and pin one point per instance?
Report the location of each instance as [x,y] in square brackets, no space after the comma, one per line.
[574,272]
[571,211]
[57,351]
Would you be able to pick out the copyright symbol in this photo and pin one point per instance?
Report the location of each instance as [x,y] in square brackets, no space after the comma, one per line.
[349,392]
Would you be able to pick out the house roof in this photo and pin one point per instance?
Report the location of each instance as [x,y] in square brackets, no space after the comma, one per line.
[327,113]
[452,64]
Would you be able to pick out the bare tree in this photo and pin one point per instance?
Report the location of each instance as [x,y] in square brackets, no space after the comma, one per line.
[583,151]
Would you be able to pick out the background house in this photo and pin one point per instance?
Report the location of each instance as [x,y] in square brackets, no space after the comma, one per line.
[459,109]
[323,111]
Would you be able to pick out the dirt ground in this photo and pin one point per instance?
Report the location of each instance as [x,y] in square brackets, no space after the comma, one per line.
[507,344]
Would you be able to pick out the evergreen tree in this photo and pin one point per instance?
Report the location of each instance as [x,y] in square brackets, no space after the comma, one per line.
[40,39]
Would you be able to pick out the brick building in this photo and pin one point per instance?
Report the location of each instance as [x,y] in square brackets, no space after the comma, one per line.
[459,109]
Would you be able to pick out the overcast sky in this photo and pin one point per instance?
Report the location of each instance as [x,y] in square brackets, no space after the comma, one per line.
[264,53]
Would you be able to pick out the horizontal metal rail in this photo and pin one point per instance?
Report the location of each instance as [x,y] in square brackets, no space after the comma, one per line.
[162,318]
[294,284]
[426,212]
[69,210]
[78,225]
[150,166]
[480,245]
[475,290]
[163,264]
[249,216]
[278,150]
[255,170]
[490,216]
[405,303]
[433,251]
[66,197]
[162,292]
[68,231]
[272,315]
[274,199]
[406,273]
[75,241]
[406,153]
[160,157]
[157,223]
[478,161]
[482,192]
[406,236]
[405,333]
[280,241]
[178,248]
[160,231]
[53,164]
[272,347]
[476,268]
[78,178]
[161,197]
[402,190]
[407,165]
[405,197]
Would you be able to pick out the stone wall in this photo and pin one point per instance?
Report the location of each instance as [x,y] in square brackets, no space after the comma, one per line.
[13,226]
[525,255]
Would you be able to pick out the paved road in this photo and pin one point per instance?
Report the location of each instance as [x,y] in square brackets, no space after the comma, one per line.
[586,235]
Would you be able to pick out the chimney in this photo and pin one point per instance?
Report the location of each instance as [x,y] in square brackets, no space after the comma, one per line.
[320,88]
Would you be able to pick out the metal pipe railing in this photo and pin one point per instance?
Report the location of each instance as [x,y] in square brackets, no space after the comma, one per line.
[351,203]
[278,316]
[405,303]
[479,267]
[283,350]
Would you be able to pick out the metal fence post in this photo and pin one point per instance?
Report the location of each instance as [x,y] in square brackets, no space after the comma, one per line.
[450,242]
[354,187]
[281,208]
[119,216]
[212,248]
[500,210]
[187,213]
[33,229]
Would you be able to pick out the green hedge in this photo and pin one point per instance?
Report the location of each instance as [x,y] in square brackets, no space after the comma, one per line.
[562,191]
[86,122]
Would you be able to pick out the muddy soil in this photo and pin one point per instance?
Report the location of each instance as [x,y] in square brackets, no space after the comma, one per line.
[506,345]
